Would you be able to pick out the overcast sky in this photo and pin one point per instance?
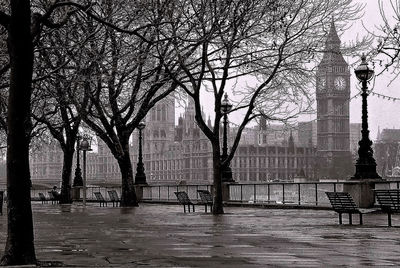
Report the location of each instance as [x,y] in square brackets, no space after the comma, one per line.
[382,112]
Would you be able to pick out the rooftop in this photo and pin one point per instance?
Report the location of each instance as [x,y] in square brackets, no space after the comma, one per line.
[163,236]
[390,135]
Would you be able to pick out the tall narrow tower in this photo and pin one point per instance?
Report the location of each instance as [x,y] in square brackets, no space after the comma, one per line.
[333,127]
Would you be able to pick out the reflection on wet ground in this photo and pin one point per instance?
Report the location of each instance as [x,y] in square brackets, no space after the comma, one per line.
[163,236]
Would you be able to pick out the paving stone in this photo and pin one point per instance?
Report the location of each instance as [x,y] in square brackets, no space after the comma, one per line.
[163,236]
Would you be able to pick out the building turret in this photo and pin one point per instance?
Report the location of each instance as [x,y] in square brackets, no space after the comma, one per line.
[291,142]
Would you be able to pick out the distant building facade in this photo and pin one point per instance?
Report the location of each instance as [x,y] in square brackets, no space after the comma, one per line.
[46,164]
[387,153]
[307,133]
[355,137]
[273,163]
[181,153]
[266,134]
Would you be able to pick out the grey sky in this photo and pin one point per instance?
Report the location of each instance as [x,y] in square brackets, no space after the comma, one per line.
[382,112]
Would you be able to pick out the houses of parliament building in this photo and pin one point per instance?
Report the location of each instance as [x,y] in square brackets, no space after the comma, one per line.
[181,153]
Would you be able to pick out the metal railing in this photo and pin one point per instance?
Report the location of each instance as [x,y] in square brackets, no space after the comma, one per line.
[89,192]
[303,193]
[306,193]
[167,192]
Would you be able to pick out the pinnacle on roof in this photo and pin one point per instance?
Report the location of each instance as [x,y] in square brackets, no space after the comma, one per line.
[263,123]
[291,140]
[332,54]
[333,36]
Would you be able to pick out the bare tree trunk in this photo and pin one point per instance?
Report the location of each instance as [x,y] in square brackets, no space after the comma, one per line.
[217,204]
[128,195]
[65,197]
[19,248]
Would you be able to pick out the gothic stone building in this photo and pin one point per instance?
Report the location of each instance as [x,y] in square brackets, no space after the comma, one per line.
[182,154]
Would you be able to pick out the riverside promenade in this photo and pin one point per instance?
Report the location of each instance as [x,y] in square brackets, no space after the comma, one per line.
[155,235]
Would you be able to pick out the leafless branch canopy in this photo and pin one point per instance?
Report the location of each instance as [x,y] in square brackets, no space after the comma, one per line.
[274,45]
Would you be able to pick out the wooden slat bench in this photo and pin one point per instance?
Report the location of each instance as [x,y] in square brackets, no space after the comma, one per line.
[42,198]
[114,197]
[206,199]
[343,203]
[53,197]
[184,200]
[389,200]
[100,199]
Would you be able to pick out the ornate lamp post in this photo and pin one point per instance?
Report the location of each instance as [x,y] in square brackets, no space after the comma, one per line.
[365,165]
[226,106]
[78,174]
[140,177]
[84,146]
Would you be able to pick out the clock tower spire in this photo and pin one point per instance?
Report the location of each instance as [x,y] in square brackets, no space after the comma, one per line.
[333,126]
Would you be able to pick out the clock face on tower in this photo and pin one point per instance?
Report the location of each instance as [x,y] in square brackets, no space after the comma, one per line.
[340,83]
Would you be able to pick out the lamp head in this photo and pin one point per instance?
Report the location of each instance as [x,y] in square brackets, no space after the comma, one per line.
[85,144]
[226,106]
[363,72]
[141,125]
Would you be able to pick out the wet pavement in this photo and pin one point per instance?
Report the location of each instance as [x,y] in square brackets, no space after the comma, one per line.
[163,236]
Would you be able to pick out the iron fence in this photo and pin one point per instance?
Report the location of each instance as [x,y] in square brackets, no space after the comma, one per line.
[90,190]
[167,192]
[284,192]
[304,193]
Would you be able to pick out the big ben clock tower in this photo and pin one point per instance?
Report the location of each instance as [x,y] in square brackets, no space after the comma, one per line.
[333,126]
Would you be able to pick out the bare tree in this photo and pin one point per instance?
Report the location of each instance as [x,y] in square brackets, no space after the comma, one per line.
[22,30]
[127,80]
[19,245]
[4,78]
[61,83]
[386,53]
[276,43]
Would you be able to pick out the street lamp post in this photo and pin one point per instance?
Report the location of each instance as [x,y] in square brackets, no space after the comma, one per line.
[365,165]
[78,174]
[226,106]
[84,146]
[140,177]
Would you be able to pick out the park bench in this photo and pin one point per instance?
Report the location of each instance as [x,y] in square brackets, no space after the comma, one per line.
[206,199]
[1,202]
[100,199]
[54,198]
[389,201]
[42,198]
[343,203]
[184,200]
[114,197]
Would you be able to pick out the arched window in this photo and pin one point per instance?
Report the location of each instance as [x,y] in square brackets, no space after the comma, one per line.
[164,112]
[159,111]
